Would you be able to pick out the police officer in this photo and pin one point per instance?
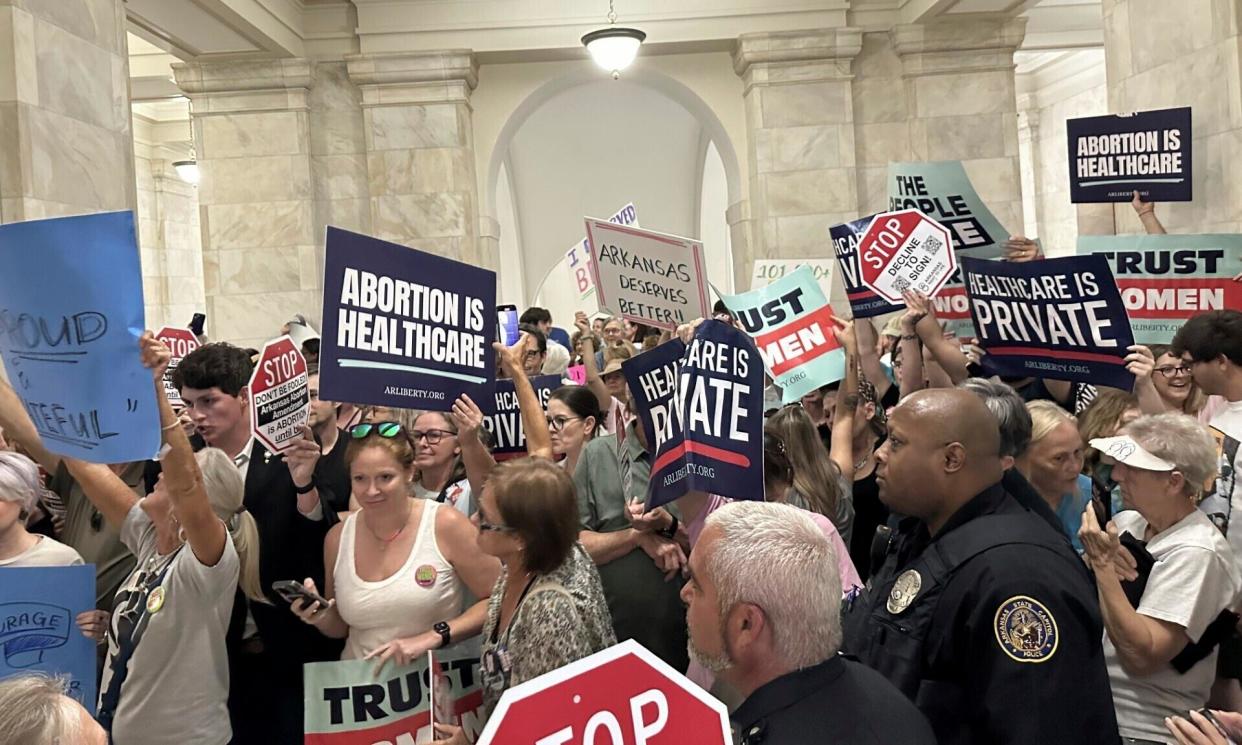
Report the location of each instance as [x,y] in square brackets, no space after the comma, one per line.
[763,611]
[980,614]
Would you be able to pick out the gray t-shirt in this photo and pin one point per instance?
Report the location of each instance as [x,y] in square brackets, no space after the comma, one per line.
[178,684]
[1194,578]
[45,553]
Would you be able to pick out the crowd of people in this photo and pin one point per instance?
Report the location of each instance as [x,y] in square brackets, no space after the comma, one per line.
[938,555]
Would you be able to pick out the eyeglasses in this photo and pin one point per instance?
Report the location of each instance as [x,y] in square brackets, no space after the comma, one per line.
[383,429]
[557,423]
[1172,371]
[433,436]
[533,354]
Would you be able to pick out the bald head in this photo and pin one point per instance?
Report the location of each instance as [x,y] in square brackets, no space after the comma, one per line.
[956,415]
[943,449]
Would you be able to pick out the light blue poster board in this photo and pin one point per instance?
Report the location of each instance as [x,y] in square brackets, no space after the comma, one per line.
[70,317]
[38,633]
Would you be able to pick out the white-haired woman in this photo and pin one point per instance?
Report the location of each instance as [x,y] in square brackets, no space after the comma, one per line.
[1160,653]
[19,490]
[35,709]
[166,679]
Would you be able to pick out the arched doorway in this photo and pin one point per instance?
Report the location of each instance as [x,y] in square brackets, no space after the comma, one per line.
[582,144]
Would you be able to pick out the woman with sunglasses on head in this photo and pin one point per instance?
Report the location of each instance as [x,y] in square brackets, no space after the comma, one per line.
[396,571]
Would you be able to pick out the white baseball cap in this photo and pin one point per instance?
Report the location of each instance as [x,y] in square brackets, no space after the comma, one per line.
[1124,449]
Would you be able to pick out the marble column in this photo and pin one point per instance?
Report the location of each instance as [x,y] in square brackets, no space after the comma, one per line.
[420,151]
[65,141]
[800,122]
[168,233]
[256,200]
[1162,55]
[961,104]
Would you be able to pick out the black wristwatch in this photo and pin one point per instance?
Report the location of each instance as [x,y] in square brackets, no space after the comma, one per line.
[305,489]
[671,531]
[446,634]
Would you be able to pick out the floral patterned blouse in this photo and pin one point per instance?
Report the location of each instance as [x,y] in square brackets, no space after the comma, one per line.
[562,618]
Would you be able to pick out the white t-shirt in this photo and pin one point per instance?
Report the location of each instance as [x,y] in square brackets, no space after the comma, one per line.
[1194,578]
[457,494]
[177,688]
[45,553]
[1224,499]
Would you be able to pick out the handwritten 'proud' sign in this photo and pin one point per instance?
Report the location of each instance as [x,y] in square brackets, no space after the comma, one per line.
[70,315]
[403,327]
[1057,318]
[701,405]
[648,277]
[791,323]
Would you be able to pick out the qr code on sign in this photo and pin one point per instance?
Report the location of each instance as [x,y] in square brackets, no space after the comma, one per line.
[900,284]
[932,244]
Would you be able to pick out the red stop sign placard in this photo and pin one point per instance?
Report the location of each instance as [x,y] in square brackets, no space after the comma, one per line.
[905,250]
[623,695]
[279,395]
[180,342]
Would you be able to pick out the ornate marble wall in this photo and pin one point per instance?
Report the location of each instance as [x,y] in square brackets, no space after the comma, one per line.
[65,140]
[1162,54]
[169,239]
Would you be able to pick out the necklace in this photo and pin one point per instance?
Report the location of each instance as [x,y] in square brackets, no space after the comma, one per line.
[858,466]
[387,541]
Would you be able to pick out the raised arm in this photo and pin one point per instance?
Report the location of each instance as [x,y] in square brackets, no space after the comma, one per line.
[17,426]
[1147,215]
[946,352]
[474,456]
[869,357]
[1141,362]
[534,421]
[594,382]
[182,477]
[841,444]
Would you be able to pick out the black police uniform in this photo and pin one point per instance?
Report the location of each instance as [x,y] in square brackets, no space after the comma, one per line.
[992,628]
[837,702]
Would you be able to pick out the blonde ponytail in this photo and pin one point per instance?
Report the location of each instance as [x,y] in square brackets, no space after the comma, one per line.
[245,536]
[225,490]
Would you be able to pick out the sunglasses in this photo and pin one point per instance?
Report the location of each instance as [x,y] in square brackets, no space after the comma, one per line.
[383,429]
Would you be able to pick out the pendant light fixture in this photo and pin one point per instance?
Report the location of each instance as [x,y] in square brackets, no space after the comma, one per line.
[187,170]
[614,47]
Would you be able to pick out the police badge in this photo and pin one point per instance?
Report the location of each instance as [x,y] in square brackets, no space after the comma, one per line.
[905,589]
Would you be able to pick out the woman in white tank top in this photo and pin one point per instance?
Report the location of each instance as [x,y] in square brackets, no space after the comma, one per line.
[397,570]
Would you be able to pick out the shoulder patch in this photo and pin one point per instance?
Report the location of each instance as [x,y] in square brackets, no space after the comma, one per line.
[1026,630]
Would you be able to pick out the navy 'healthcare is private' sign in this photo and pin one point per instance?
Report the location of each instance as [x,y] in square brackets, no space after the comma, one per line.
[402,327]
[1057,318]
[701,407]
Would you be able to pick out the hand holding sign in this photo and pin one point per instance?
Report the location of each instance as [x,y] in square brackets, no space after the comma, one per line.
[467,416]
[403,651]
[449,734]
[1020,248]
[302,456]
[1140,361]
[155,354]
[844,331]
[917,307]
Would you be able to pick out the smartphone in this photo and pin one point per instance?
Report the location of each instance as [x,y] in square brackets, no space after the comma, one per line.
[507,325]
[1102,496]
[196,323]
[293,591]
[1208,715]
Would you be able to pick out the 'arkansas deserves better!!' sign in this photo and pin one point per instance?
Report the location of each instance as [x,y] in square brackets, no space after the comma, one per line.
[701,407]
[1057,318]
[402,327]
